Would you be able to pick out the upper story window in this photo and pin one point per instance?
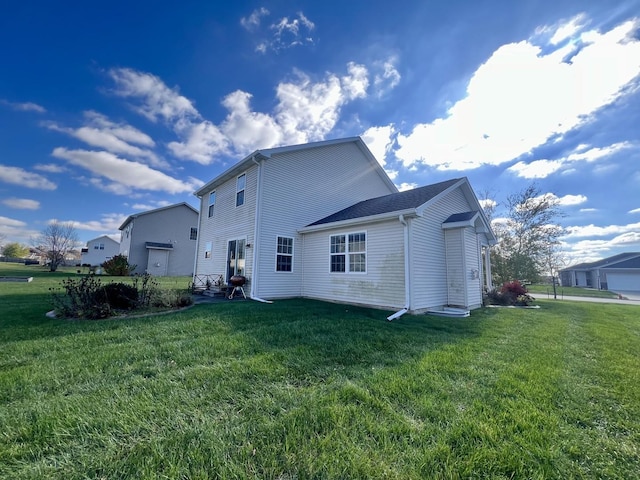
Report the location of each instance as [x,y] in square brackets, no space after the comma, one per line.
[349,253]
[98,246]
[193,234]
[284,254]
[240,184]
[212,202]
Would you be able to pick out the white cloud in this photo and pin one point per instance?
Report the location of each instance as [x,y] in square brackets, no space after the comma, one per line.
[24,107]
[152,206]
[305,111]
[521,97]
[404,186]
[568,29]
[598,231]
[635,210]
[544,168]
[246,129]
[387,78]
[22,203]
[202,143]
[109,222]
[253,21]
[588,210]
[19,176]
[116,138]
[536,169]
[15,230]
[379,140]
[50,168]
[487,203]
[569,200]
[123,173]
[158,100]
[285,33]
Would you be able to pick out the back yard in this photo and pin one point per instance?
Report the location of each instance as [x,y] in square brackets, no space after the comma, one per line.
[305,389]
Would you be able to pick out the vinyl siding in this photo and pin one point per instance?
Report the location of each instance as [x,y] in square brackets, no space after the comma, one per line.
[383,283]
[299,188]
[428,261]
[172,225]
[227,223]
[96,257]
[473,261]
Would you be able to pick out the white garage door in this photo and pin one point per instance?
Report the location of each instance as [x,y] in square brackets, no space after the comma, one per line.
[623,282]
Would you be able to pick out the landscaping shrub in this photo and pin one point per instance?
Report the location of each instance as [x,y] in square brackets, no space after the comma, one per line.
[511,293]
[82,298]
[118,266]
[88,298]
[120,296]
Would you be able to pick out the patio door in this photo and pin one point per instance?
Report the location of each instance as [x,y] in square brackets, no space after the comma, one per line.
[236,253]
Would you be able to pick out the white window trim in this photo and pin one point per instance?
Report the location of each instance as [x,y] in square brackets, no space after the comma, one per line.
[210,213]
[286,254]
[347,270]
[244,190]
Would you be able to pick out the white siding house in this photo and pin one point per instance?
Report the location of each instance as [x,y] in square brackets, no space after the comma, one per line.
[324,221]
[161,242]
[99,250]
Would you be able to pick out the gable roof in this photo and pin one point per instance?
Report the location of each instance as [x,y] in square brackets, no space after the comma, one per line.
[268,153]
[155,210]
[615,261]
[101,237]
[394,202]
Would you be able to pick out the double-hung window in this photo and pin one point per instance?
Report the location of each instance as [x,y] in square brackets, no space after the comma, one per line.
[212,202]
[193,234]
[349,253]
[284,254]
[240,184]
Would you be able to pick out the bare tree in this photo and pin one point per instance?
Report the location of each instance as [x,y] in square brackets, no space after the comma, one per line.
[55,241]
[528,235]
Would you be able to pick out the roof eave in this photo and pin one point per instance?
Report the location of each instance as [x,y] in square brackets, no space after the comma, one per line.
[408,213]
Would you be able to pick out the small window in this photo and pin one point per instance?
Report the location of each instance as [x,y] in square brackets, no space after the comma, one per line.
[98,246]
[207,250]
[193,234]
[212,203]
[349,253]
[284,254]
[240,184]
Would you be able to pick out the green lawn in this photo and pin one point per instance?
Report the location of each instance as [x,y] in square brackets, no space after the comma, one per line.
[546,291]
[303,389]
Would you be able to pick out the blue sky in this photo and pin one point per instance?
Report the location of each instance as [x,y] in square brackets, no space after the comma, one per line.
[111,109]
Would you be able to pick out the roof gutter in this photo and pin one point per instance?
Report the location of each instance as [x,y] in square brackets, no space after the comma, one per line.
[407,289]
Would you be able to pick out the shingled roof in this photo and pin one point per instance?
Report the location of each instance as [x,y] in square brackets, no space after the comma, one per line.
[393,202]
[619,260]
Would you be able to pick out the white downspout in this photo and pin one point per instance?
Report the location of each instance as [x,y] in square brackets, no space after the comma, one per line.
[256,225]
[407,288]
[195,259]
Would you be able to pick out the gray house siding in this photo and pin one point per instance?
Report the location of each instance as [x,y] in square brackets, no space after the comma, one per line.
[170,225]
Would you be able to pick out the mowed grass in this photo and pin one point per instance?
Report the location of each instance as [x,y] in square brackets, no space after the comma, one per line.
[546,291]
[303,389]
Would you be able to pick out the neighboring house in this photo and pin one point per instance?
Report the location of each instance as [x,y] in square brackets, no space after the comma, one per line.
[618,273]
[324,221]
[161,242]
[99,250]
